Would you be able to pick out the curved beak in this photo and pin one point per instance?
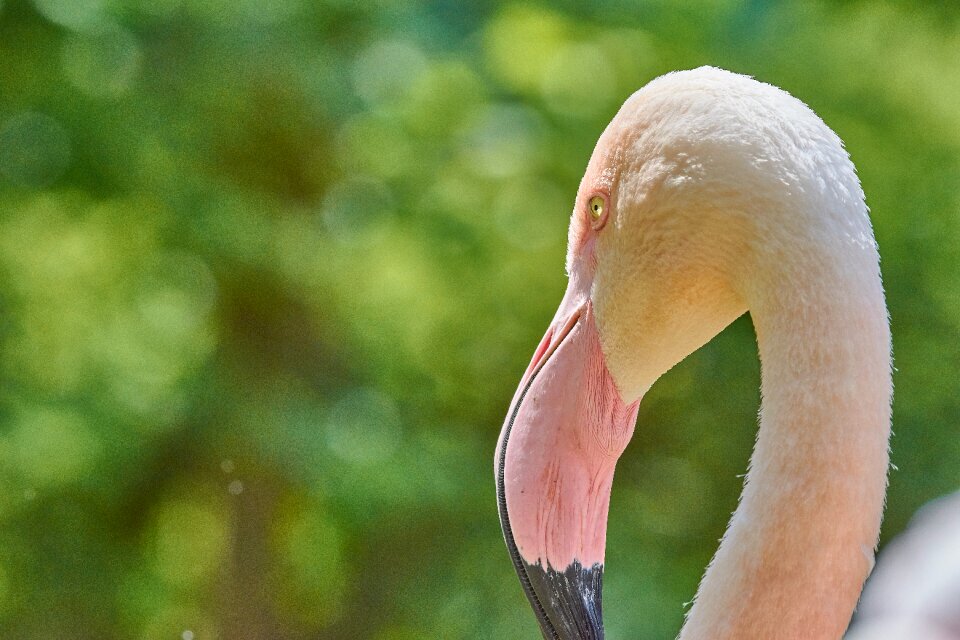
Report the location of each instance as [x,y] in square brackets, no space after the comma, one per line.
[565,430]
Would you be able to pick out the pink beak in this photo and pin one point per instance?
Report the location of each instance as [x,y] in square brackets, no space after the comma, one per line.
[565,430]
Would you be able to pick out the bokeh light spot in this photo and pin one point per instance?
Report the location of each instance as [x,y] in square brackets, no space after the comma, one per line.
[178,294]
[313,545]
[34,150]
[520,42]
[502,140]
[166,335]
[311,550]
[441,98]
[104,63]
[386,70]
[73,14]
[191,539]
[54,446]
[578,80]
[363,427]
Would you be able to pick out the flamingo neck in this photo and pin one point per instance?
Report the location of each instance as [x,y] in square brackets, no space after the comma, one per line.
[801,542]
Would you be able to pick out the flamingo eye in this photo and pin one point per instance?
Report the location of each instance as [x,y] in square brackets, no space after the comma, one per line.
[597,208]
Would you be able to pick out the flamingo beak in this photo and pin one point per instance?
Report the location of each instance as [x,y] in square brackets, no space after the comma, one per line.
[565,430]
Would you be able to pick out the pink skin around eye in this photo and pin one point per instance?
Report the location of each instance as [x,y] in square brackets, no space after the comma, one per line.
[584,229]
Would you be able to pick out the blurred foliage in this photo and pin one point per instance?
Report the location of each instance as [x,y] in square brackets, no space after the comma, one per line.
[270,272]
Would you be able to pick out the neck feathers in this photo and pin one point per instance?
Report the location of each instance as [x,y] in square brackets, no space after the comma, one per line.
[801,542]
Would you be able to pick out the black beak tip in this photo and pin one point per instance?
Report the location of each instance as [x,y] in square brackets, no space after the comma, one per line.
[568,602]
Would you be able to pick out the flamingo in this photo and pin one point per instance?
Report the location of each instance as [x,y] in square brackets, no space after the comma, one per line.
[915,591]
[711,194]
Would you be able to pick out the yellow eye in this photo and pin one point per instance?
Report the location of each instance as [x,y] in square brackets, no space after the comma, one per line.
[596,207]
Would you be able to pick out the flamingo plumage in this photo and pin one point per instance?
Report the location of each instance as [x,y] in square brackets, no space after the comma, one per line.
[708,195]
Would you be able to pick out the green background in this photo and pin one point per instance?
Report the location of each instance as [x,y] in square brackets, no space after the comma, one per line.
[270,273]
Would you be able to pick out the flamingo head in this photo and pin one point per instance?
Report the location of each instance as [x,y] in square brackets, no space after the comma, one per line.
[660,246]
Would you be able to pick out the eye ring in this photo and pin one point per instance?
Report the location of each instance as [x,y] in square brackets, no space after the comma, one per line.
[597,208]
